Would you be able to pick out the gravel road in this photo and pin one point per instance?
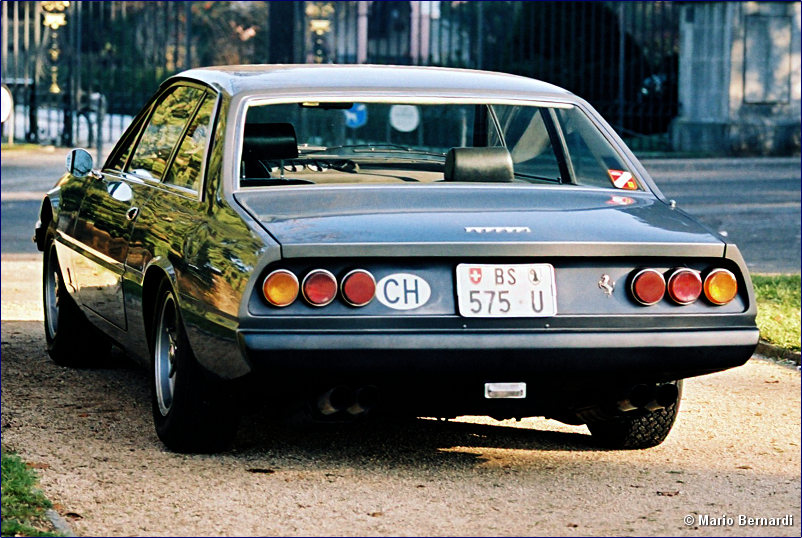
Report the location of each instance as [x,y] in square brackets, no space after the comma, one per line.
[735,450]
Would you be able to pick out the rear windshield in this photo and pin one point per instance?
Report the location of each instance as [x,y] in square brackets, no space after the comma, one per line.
[329,143]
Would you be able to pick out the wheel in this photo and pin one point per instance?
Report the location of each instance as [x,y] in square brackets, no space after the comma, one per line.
[71,339]
[191,411]
[636,429]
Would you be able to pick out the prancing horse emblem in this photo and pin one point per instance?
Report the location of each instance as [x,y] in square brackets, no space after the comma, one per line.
[606,285]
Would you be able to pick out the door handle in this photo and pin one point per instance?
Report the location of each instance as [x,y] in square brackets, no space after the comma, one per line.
[132,213]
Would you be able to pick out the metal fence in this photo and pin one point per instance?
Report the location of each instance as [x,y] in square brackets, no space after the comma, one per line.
[620,56]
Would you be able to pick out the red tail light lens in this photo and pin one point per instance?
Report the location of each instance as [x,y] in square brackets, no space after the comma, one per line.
[648,286]
[358,287]
[319,287]
[684,286]
[280,288]
[720,287]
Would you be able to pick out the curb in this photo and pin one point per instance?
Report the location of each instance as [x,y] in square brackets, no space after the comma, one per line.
[59,523]
[770,350]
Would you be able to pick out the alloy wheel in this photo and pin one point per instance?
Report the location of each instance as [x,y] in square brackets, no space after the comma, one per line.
[165,354]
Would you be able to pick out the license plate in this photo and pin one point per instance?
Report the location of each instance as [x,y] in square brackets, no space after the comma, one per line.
[506,291]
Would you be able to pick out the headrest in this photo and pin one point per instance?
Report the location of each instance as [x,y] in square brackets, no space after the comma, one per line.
[478,164]
[269,141]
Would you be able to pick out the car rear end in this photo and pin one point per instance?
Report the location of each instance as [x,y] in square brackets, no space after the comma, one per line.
[495,257]
[433,311]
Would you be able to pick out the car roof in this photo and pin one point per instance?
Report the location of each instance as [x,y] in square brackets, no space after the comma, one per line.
[388,79]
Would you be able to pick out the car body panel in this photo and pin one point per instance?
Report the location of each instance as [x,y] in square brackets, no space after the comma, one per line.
[320,221]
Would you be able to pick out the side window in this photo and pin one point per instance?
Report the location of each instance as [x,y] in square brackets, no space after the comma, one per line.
[162,132]
[186,168]
[593,158]
[528,141]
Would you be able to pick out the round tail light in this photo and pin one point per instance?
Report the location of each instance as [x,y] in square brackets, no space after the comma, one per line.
[319,287]
[720,287]
[684,286]
[280,288]
[648,286]
[358,287]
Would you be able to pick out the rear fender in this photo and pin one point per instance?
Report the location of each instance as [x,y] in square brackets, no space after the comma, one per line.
[48,211]
[158,269]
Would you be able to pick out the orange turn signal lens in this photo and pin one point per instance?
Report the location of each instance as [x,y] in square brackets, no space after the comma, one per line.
[648,286]
[280,288]
[684,286]
[721,287]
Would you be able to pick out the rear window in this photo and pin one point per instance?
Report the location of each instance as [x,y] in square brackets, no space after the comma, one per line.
[407,142]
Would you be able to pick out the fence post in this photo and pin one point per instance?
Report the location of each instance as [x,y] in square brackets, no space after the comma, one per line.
[100,115]
[362,32]
[187,37]
[480,38]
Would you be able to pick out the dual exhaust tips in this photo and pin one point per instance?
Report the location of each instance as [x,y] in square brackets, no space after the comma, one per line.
[650,397]
[343,398]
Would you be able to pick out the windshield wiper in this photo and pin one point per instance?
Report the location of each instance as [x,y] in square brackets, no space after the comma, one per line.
[371,148]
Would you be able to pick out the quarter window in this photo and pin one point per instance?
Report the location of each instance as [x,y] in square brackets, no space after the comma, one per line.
[592,156]
[186,168]
[528,141]
[162,132]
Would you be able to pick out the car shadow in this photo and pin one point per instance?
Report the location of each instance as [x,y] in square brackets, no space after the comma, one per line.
[393,442]
[111,404]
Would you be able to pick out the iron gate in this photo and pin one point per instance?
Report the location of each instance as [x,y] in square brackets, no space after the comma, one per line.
[620,56]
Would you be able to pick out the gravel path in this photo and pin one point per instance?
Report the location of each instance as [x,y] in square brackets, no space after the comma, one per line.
[735,450]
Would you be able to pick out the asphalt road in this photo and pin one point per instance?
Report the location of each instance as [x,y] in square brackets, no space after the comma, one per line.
[755,201]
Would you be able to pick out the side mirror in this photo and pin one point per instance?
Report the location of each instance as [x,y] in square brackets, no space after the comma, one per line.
[80,164]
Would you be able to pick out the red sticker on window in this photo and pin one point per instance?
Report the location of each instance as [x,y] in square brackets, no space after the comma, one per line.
[623,180]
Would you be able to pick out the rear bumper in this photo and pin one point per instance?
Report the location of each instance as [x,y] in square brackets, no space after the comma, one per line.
[635,355]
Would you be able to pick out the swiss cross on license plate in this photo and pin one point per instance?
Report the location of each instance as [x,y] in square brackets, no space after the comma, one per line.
[506,290]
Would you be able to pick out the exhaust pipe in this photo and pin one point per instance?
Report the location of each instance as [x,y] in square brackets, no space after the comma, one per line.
[640,396]
[666,394]
[335,400]
[650,397]
[365,399]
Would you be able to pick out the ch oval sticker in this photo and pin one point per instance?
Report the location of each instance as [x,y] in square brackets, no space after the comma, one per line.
[403,291]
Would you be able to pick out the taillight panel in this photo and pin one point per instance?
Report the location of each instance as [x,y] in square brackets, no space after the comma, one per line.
[361,283]
[319,287]
[682,286]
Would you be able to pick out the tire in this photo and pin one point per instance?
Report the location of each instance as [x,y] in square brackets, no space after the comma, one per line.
[71,340]
[191,411]
[636,429]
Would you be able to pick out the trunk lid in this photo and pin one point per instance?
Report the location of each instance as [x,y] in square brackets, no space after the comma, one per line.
[476,220]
